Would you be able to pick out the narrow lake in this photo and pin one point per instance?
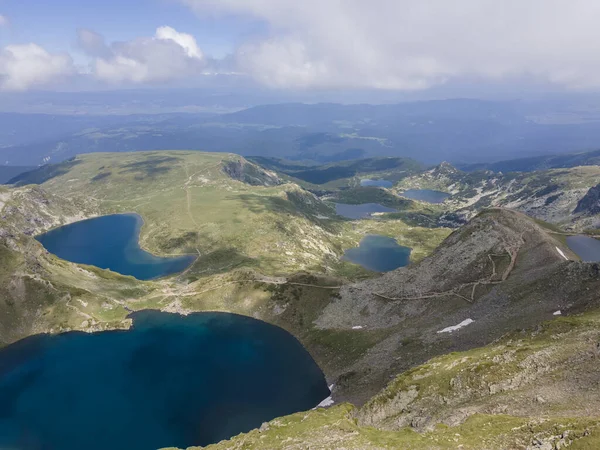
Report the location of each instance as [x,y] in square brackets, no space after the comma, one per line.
[376,183]
[426,195]
[111,242]
[379,254]
[170,381]
[362,211]
[587,248]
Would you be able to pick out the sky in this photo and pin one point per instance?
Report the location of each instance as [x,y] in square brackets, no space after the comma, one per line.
[389,45]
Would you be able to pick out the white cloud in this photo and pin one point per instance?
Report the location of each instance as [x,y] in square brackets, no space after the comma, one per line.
[407,44]
[184,40]
[29,65]
[4,21]
[166,56]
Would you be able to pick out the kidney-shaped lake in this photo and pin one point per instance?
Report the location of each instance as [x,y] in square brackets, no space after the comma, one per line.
[169,381]
[111,242]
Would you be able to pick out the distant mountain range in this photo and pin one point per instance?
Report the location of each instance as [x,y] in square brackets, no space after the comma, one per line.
[538,163]
[460,131]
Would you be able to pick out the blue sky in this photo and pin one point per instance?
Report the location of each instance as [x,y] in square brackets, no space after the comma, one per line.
[385,45]
[54,22]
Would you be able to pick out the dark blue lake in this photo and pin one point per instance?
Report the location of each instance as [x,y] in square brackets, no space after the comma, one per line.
[376,183]
[587,248]
[111,242]
[360,211]
[379,254]
[170,381]
[426,195]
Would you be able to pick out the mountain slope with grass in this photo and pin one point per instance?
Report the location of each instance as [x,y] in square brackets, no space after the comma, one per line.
[229,211]
[251,232]
[491,342]
[464,346]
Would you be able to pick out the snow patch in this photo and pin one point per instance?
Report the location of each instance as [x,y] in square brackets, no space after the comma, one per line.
[557,313]
[358,327]
[328,401]
[561,253]
[464,323]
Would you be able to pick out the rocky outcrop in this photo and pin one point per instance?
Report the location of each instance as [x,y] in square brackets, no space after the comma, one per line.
[31,210]
[499,273]
[590,203]
[549,195]
[247,172]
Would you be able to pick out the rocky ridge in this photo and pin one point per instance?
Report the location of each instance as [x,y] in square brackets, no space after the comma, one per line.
[499,273]
[549,195]
[590,203]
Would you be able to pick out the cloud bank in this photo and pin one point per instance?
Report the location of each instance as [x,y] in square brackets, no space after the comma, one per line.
[407,45]
[167,55]
[402,45]
[23,67]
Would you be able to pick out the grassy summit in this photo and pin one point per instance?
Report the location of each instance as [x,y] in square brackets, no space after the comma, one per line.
[219,206]
[245,224]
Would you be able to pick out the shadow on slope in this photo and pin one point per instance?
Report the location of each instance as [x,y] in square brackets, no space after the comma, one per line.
[44,173]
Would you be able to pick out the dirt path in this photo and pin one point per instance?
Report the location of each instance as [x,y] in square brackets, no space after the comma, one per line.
[188,194]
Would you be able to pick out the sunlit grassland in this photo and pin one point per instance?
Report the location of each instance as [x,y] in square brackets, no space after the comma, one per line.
[190,205]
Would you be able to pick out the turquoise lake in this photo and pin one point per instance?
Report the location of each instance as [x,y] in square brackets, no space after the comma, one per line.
[379,254]
[170,381]
[426,195]
[111,242]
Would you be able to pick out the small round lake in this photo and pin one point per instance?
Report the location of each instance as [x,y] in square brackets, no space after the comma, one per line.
[170,381]
[376,183]
[363,211]
[426,195]
[379,254]
[111,242]
[587,248]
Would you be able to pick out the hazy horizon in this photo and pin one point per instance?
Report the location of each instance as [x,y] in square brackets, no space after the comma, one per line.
[113,75]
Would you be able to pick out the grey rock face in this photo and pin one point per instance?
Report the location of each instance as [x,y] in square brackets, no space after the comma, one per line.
[590,203]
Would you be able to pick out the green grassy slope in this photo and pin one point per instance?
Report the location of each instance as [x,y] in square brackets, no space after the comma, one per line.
[191,204]
[251,231]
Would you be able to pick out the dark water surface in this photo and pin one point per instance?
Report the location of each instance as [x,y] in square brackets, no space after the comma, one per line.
[170,381]
[587,248]
[111,242]
[376,183]
[360,211]
[426,195]
[379,254]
